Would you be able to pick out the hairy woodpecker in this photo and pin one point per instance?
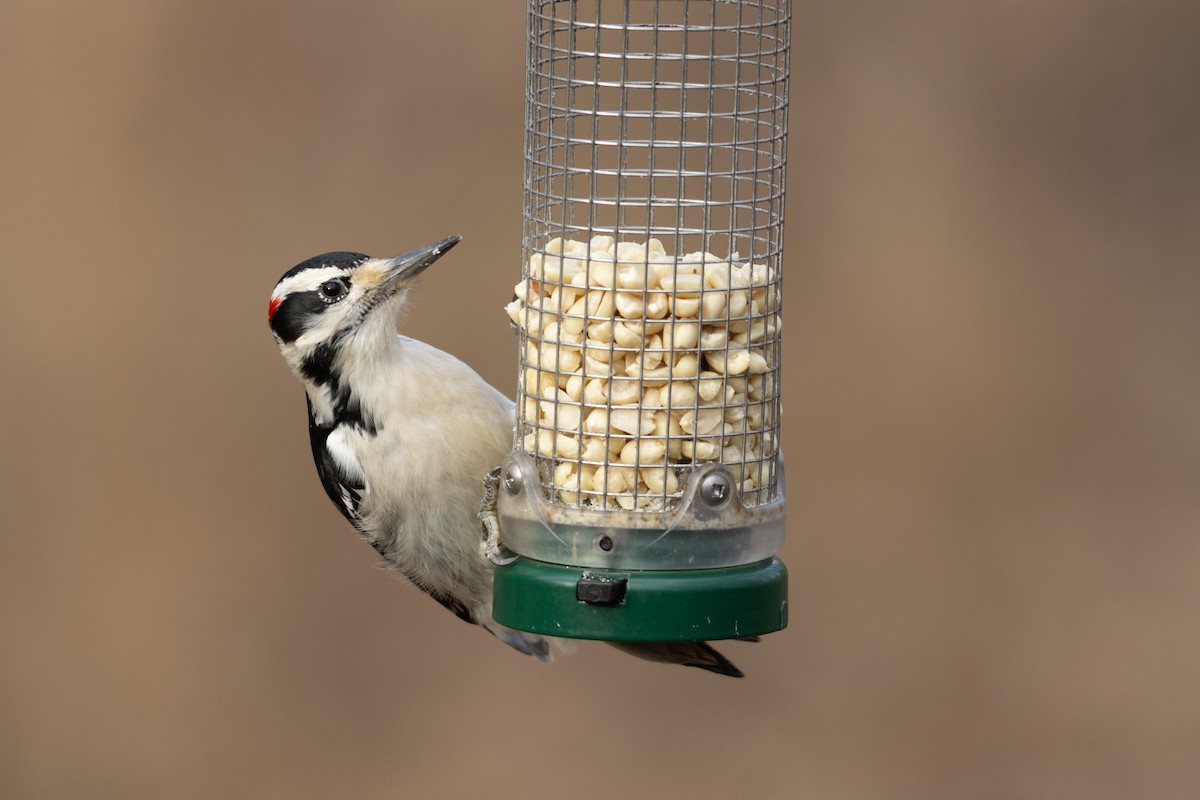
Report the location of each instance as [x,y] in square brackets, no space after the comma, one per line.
[404,434]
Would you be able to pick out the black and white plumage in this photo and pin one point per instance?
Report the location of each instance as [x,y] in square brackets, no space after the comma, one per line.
[403,434]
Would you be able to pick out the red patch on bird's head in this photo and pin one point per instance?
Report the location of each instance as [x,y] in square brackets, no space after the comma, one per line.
[273,307]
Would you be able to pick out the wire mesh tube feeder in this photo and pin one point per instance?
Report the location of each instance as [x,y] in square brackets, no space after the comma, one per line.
[644,499]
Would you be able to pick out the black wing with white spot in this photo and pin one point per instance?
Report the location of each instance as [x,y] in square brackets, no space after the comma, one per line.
[346,491]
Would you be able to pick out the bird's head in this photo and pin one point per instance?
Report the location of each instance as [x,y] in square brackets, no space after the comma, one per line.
[331,298]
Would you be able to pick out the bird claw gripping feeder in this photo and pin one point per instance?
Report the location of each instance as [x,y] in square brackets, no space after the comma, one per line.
[644,500]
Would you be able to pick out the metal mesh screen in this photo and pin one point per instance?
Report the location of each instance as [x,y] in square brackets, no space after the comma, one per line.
[649,304]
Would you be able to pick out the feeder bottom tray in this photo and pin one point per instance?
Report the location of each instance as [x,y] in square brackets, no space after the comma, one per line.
[641,605]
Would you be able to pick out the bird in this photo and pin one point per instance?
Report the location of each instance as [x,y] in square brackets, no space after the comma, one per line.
[403,435]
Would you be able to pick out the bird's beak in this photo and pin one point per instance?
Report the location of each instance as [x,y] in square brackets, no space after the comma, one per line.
[398,271]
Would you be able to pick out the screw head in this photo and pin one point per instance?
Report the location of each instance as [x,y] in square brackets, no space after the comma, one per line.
[512,480]
[715,489]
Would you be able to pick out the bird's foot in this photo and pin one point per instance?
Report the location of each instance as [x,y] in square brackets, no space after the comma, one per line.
[489,520]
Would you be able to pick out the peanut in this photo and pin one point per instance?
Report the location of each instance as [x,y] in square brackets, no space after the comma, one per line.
[683,335]
[712,305]
[729,362]
[660,480]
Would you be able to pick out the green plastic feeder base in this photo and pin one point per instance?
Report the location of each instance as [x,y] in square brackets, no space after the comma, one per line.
[641,605]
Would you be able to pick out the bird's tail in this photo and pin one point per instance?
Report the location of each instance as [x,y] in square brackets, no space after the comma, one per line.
[689,654]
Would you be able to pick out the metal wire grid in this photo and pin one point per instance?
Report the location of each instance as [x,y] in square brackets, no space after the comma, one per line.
[659,123]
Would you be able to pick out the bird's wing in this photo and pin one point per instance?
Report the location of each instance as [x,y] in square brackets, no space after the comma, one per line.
[344,486]
[690,654]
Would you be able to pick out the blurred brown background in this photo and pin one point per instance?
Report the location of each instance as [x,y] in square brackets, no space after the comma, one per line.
[992,429]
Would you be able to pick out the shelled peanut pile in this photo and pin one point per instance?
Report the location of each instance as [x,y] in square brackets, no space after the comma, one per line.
[637,364]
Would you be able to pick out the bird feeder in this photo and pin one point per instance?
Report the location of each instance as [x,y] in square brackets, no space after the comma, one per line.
[644,499]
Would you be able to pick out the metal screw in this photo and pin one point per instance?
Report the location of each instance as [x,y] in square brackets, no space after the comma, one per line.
[714,489]
[512,480]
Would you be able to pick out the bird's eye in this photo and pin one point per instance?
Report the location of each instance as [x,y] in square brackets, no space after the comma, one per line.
[332,291]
